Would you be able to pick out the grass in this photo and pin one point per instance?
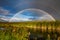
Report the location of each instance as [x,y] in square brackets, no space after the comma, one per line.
[20,30]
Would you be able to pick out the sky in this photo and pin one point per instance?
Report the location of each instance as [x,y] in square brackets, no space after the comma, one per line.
[8,8]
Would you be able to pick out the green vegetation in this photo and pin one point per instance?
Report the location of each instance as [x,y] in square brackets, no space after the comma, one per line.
[20,30]
[13,33]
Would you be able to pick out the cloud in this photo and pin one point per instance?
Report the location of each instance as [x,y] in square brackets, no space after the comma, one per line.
[5,15]
[4,11]
[46,18]
[4,18]
[40,15]
[15,19]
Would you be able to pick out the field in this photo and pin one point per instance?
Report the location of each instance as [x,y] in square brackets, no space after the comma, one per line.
[34,30]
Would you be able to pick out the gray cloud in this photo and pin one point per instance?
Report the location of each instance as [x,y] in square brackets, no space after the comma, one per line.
[3,14]
[3,11]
